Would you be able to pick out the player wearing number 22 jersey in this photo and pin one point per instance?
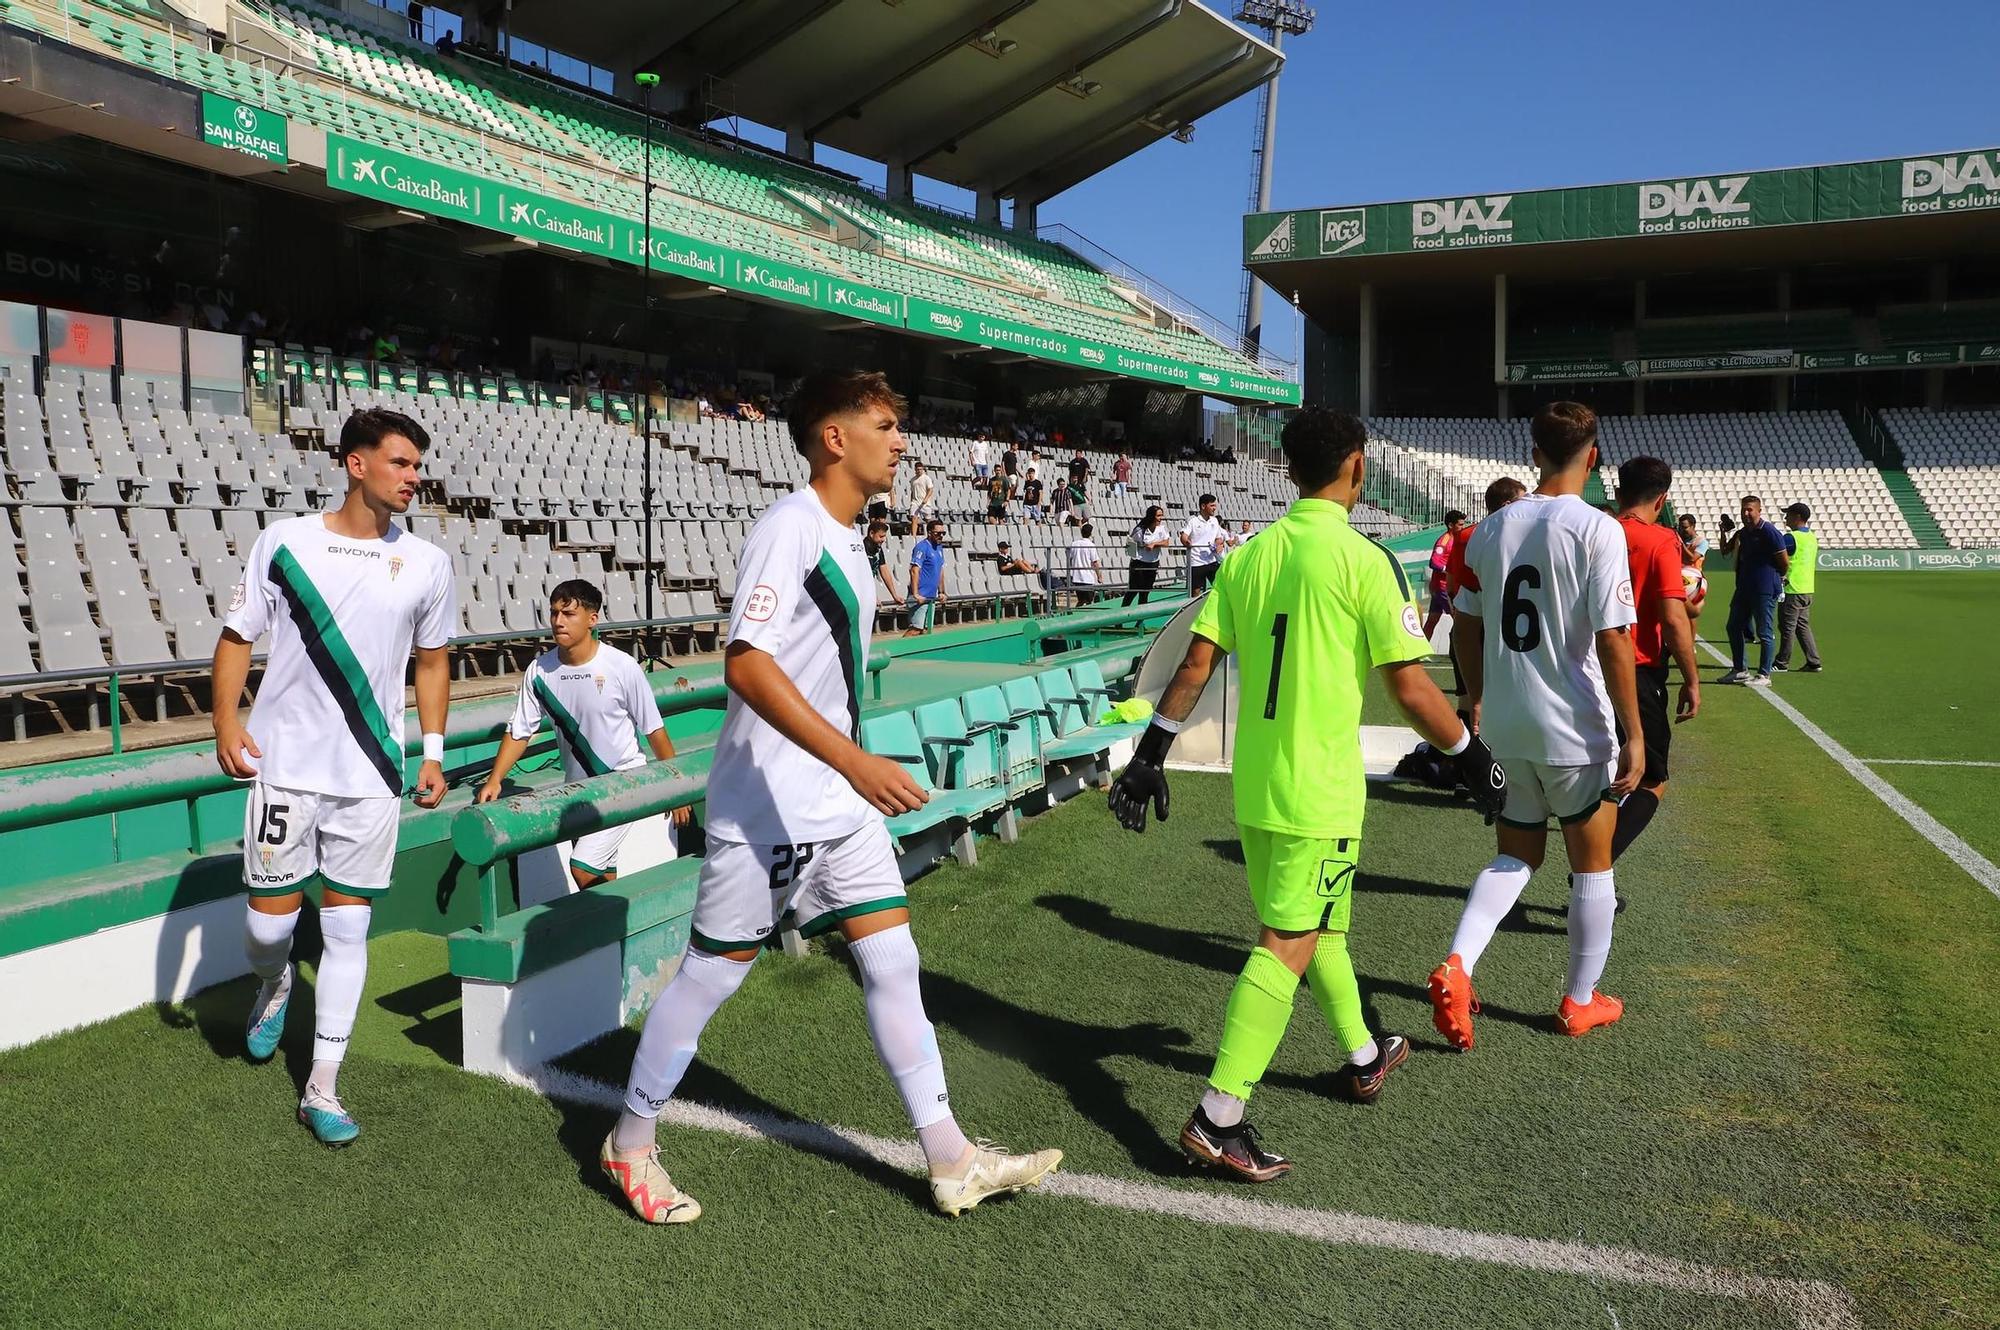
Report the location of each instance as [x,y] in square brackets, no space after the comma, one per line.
[1308,608]
[796,835]
[1543,613]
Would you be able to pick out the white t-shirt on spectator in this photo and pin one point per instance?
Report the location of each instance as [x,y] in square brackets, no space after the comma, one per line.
[1202,533]
[1083,561]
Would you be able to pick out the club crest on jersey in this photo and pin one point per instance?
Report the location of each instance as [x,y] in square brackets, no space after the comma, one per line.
[237,597]
[266,854]
[761,604]
[395,566]
[1411,623]
[600,681]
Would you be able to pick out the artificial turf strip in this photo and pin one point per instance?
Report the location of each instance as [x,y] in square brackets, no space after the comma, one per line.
[1803,1087]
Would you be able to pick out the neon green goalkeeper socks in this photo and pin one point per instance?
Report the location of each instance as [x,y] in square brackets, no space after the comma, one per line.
[1260,1007]
[1331,978]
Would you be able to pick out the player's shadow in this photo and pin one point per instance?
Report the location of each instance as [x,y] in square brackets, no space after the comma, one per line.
[1225,955]
[1076,1056]
[581,1128]
[1417,796]
[442,1034]
[220,1013]
[1521,919]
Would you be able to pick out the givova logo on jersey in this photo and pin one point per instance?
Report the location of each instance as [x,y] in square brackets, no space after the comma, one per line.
[1461,223]
[1951,184]
[1712,203]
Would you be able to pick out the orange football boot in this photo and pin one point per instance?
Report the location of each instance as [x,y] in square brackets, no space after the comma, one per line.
[1453,1002]
[1576,1017]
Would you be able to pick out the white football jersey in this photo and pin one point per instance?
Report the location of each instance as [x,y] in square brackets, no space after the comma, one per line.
[599,709]
[1546,574]
[803,594]
[342,615]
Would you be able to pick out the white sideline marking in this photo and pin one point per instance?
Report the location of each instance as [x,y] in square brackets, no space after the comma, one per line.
[1813,1304]
[1937,833]
[1918,762]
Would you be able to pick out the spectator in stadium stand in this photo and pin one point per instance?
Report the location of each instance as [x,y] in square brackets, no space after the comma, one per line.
[1031,496]
[1498,495]
[1242,536]
[1440,561]
[1763,557]
[1010,462]
[1012,565]
[446,45]
[1795,610]
[1148,539]
[1694,546]
[926,581]
[1086,567]
[997,491]
[982,466]
[1204,539]
[877,544]
[923,498]
[1059,504]
[1079,501]
[1079,471]
[1121,473]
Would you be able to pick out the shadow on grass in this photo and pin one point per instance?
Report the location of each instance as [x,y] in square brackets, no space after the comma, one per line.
[1224,955]
[220,1014]
[583,1127]
[443,1034]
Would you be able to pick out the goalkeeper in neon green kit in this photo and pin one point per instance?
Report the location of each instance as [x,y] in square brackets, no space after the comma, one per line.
[1309,607]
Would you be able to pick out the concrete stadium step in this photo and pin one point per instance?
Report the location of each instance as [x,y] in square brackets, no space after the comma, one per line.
[1923,525]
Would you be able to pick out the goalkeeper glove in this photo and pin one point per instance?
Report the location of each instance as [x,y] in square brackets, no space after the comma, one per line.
[1481,773]
[1144,779]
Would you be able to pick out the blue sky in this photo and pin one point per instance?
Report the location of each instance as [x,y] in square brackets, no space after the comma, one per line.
[1391,101]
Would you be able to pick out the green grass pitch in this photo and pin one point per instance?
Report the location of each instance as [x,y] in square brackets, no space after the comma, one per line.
[1804,1087]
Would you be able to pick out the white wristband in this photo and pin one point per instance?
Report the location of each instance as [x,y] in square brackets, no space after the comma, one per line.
[434,748]
[1170,726]
[1464,742]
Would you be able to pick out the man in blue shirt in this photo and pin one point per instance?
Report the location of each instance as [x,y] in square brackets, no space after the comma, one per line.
[1763,556]
[927,580]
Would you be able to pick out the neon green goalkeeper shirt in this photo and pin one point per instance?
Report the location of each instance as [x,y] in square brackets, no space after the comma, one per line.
[1309,607]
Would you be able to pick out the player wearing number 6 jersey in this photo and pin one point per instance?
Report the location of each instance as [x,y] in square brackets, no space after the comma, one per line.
[795,810]
[1309,607]
[342,595]
[1543,613]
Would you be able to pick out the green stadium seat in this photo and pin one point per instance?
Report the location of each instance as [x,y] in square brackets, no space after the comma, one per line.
[1020,738]
[895,737]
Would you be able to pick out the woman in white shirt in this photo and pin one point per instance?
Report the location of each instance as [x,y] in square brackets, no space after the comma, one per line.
[1148,539]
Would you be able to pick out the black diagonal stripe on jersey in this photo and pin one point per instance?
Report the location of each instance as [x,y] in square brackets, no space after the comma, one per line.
[1402,580]
[571,730]
[338,669]
[827,586]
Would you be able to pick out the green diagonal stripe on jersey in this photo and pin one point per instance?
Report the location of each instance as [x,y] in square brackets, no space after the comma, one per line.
[829,590]
[572,733]
[338,669]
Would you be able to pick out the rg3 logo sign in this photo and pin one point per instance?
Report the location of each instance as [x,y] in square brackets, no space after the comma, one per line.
[761,605]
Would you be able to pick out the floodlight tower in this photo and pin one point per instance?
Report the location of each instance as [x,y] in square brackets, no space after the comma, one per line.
[1276,19]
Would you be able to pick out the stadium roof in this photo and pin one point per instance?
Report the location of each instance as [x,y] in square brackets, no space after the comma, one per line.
[1022,98]
[1907,207]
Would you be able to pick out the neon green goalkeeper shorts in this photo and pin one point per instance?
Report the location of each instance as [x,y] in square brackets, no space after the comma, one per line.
[1299,883]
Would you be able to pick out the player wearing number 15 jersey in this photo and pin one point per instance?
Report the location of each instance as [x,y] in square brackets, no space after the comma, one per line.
[796,806]
[1543,611]
[1308,608]
[342,595]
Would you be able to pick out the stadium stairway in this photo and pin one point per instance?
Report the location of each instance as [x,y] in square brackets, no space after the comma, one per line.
[1923,525]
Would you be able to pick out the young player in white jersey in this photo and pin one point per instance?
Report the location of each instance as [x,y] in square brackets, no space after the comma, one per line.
[599,701]
[796,808]
[1543,614]
[342,594]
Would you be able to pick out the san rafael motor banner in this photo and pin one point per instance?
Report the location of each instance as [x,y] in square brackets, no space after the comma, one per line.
[1858,191]
[250,130]
[440,191]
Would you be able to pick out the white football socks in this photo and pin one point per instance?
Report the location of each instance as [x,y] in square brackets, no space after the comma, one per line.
[906,1042]
[1593,905]
[667,1041]
[343,970]
[267,941]
[1493,893]
[1221,1107]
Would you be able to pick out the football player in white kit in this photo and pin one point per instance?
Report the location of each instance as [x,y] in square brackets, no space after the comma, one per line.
[599,701]
[796,807]
[343,594]
[1543,619]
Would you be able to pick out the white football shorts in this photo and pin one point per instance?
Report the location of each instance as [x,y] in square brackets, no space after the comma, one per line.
[748,892]
[289,836]
[1537,791]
